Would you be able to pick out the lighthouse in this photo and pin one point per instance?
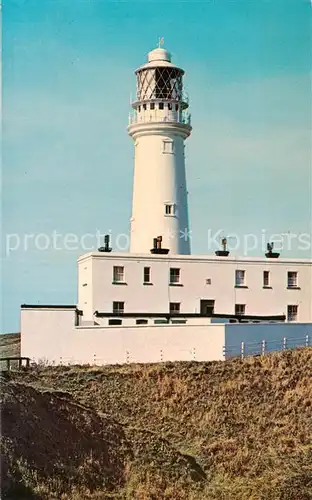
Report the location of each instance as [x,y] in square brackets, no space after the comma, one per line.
[159,124]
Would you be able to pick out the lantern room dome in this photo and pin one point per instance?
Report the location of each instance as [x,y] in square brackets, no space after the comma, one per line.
[159,54]
[159,58]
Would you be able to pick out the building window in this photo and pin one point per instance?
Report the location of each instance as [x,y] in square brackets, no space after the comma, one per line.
[292,279]
[266,278]
[177,107]
[174,275]
[240,309]
[139,109]
[292,313]
[169,106]
[170,209]
[174,308]
[118,274]
[152,106]
[147,275]
[141,322]
[207,307]
[167,146]
[144,107]
[161,105]
[118,307]
[239,278]
[114,321]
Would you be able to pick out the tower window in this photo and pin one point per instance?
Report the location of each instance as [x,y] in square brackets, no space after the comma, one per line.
[139,109]
[170,209]
[169,106]
[144,107]
[177,107]
[161,105]
[167,146]
[152,105]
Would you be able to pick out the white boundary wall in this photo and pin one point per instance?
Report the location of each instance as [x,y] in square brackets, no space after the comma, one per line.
[50,335]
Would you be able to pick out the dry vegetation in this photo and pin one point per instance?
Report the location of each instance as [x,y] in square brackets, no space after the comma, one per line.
[235,430]
[10,345]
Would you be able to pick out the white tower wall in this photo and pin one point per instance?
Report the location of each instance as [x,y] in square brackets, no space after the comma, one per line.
[159,126]
[159,182]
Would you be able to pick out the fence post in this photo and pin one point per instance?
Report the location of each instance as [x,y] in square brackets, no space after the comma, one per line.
[194,354]
[307,340]
[242,350]
[94,359]
[263,347]
[161,355]
[127,357]
[284,343]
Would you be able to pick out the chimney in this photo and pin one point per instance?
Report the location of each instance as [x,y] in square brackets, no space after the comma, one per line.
[224,252]
[270,254]
[106,247]
[157,248]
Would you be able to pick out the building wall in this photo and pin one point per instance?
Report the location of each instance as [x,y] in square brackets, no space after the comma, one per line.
[46,333]
[50,335]
[195,271]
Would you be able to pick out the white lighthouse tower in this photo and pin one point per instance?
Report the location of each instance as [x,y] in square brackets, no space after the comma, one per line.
[159,125]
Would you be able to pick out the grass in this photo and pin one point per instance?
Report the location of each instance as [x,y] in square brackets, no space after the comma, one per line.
[234,430]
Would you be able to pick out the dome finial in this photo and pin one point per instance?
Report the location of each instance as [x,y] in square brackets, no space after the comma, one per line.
[161,41]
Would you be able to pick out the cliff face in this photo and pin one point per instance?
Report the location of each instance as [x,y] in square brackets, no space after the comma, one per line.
[236,430]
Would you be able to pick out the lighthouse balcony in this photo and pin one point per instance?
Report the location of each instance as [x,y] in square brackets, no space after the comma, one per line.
[183,118]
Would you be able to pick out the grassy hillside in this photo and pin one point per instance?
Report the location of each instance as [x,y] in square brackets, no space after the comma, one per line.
[235,430]
[10,344]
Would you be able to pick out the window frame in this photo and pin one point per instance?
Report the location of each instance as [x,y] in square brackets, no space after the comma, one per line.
[146,273]
[170,209]
[266,279]
[243,306]
[239,282]
[168,146]
[174,278]
[174,304]
[116,309]
[115,274]
[293,315]
[292,283]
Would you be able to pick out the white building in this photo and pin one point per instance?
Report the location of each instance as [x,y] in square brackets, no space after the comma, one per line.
[159,302]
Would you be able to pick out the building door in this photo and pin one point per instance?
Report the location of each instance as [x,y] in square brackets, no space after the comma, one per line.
[207,307]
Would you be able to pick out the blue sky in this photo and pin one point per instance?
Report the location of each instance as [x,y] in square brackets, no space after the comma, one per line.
[67,160]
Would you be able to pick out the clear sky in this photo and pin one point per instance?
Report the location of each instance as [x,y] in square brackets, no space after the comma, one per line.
[67,160]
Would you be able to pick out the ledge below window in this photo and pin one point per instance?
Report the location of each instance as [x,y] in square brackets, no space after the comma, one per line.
[147,283]
[175,284]
[293,288]
[119,283]
[240,286]
[267,287]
